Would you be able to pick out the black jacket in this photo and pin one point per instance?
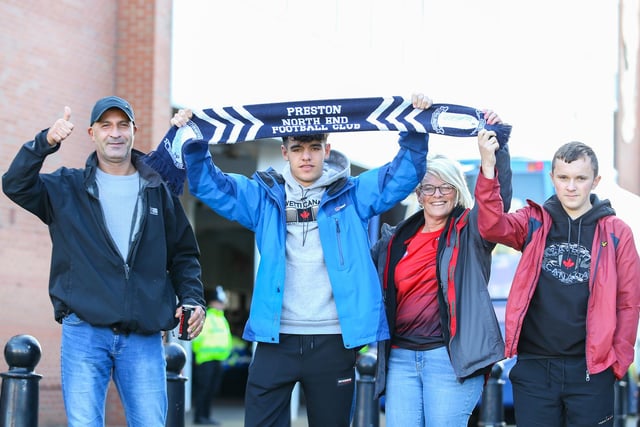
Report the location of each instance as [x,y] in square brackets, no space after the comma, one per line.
[88,275]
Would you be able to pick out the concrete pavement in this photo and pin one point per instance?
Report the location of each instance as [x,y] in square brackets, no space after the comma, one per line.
[230,413]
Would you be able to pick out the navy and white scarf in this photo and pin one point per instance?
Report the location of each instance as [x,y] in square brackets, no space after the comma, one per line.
[227,125]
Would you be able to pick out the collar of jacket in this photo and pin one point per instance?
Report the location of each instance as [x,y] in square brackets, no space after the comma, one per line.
[270,177]
[410,226]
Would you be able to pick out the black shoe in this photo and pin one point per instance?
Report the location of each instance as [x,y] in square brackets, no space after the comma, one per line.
[206,421]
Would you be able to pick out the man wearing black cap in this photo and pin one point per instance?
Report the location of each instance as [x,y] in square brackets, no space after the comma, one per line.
[124,261]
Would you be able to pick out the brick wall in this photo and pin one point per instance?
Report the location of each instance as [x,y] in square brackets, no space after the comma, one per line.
[142,65]
[53,54]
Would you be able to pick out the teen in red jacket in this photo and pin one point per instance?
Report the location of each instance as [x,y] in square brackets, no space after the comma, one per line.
[572,312]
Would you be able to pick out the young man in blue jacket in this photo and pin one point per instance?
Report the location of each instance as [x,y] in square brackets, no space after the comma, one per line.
[317,298]
[124,261]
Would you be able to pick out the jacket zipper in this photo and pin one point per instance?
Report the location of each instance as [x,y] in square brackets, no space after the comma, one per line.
[341,255]
[591,282]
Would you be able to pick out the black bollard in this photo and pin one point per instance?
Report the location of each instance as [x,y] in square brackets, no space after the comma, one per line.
[621,402]
[367,407]
[492,409]
[20,394]
[176,358]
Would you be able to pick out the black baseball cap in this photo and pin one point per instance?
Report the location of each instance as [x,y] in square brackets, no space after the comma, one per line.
[109,102]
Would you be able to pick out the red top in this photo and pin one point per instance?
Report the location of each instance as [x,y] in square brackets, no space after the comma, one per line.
[418,313]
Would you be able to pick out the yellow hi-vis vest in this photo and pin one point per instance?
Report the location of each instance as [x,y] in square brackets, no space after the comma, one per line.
[214,342]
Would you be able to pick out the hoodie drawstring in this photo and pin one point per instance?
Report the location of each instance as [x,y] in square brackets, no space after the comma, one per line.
[312,342]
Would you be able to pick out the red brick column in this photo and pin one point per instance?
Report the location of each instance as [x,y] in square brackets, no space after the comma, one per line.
[143,65]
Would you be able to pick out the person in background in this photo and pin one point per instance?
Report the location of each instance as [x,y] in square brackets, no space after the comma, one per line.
[211,348]
[572,312]
[434,268]
[316,297]
[124,261]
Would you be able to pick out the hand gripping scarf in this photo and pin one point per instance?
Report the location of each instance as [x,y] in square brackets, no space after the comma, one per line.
[227,125]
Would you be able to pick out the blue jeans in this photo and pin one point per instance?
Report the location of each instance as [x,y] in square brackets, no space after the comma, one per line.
[422,390]
[91,356]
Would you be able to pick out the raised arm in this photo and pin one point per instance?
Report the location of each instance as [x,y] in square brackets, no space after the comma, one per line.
[22,182]
[496,160]
[381,188]
[493,196]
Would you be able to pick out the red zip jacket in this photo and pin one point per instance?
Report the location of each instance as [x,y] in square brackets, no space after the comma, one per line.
[614,291]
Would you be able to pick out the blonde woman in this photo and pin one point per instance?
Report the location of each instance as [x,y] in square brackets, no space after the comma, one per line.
[434,269]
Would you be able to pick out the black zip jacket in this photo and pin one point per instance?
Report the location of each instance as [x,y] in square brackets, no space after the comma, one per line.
[88,275]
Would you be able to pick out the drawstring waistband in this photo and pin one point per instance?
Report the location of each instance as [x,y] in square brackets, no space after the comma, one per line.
[303,339]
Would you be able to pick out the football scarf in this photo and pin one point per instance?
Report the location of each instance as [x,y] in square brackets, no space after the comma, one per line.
[227,125]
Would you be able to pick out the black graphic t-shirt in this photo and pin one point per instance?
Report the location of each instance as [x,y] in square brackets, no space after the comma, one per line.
[555,323]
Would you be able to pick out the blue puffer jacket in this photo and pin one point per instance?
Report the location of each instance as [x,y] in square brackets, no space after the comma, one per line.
[259,205]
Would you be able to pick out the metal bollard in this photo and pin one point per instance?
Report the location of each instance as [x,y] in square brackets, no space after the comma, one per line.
[176,358]
[367,407]
[20,394]
[621,402]
[491,409]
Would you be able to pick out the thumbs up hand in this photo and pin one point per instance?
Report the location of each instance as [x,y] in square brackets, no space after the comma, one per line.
[61,129]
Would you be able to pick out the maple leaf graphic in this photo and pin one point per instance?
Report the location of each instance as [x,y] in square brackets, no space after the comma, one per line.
[568,263]
[304,215]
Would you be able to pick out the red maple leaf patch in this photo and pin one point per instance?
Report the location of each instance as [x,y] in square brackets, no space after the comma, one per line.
[568,263]
[304,215]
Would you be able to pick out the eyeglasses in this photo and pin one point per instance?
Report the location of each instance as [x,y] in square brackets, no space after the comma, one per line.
[430,190]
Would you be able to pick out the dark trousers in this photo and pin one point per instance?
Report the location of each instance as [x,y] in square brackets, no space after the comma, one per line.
[207,378]
[558,393]
[325,370]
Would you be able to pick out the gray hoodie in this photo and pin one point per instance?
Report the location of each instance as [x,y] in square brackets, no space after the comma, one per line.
[308,307]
